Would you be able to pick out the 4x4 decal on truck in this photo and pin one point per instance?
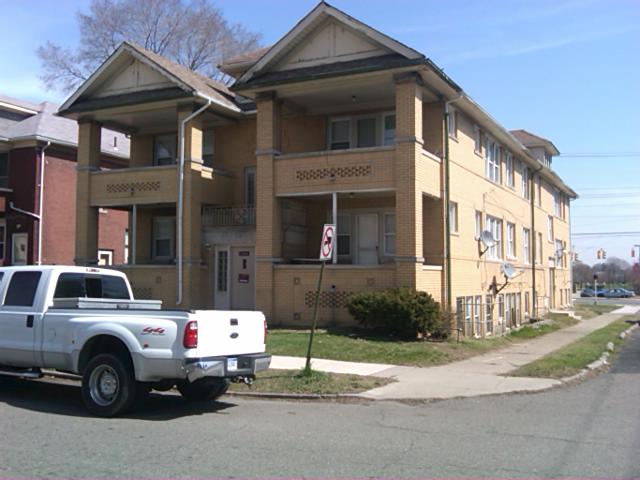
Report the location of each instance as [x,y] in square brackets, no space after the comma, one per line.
[153,331]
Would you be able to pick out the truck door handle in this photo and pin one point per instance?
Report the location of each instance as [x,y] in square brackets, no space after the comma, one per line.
[29,321]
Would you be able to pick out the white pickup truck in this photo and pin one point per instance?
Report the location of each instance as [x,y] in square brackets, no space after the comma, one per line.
[85,321]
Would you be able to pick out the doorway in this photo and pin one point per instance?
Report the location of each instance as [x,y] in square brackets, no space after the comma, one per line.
[19,248]
[367,245]
[222,298]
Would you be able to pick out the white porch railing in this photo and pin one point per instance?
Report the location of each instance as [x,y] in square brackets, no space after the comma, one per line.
[228,216]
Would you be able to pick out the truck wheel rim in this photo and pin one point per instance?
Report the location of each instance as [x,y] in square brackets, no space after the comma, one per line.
[103,385]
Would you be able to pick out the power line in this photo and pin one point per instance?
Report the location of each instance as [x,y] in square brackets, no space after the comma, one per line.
[600,155]
[606,234]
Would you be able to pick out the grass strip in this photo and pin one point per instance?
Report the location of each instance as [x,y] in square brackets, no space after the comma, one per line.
[571,359]
[295,381]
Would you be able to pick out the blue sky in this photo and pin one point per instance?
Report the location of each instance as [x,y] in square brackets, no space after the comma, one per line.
[566,70]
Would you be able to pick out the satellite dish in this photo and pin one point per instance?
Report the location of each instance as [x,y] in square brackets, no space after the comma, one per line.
[486,237]
[508,270]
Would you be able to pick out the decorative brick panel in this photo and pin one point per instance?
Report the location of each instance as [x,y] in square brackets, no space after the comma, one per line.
[149,186]
[337,299]
[335,172]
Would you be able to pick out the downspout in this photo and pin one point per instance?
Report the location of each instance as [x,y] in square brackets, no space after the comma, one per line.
[181,201]
[534,241]
[41,202]
[447,197]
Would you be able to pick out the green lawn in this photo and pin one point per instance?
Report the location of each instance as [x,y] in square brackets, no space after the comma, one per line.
[362,346]
[294,381]
[587,311]
[574,357]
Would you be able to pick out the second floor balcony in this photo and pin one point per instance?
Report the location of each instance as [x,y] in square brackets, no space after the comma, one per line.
[238,216]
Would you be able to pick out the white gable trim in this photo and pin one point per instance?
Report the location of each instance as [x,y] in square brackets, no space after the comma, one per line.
[108,62]
[321,10]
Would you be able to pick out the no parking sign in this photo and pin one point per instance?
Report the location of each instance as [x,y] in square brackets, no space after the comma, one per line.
[328,240]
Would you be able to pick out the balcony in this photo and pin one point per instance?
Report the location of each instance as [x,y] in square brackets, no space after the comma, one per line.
[335,170]
[228,216]
[134,186]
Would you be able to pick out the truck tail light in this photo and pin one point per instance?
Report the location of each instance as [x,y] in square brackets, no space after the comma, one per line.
[191,335]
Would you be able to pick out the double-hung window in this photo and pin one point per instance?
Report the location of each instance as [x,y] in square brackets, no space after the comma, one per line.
[557,203]
[539,246]
[511,240]
[389,131]
[539,190]
[389,234]
[344,235]
[164,149]
[164,234]
[452,123]
[526,192]
[494,225]
[492,160]
[453,217]
[340,134]
[508,169]
[559,253]
[550,228]
[477,147]
[208,149]
[366,132]
[526,245]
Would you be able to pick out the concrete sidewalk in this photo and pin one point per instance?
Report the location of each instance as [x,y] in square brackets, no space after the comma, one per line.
[480,375]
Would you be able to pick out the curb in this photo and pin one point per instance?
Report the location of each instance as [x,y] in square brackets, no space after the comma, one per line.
[299,396]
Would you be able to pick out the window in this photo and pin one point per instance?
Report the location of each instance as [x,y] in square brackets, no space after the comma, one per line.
[389,133]
[105,257]
[452,124]
[22,289]
[453,217]
[389,234]
[559,254]
[164,149]
[508,170]
[539,253]
[4,170]
[526,303]
[478,224]
[164,229]
[488,314]
[526,245]
[344,235]
[511,240]
[492,160]
[468,313]
[477,315]
[526,192]
[250,186]
[477,140]
[550,228]
[366,132]
[340,134]
[208,147]
[557,203]
[539,190]
[74,285]
[494,225]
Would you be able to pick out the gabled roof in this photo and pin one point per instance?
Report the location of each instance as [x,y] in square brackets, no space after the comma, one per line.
[45,126]
[320,13]
[192,83]
[18,105]
[529,139]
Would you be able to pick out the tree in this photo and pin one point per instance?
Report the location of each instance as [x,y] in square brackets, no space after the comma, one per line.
[193,33]
[582,273]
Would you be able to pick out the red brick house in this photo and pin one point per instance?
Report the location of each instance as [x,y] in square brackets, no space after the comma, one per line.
[38,152]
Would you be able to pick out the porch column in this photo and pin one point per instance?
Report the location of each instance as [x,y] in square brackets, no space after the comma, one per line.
[409,253]
[89,138]
[192,207]
[268,210]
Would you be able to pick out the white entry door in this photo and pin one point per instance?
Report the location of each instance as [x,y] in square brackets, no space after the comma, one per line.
[367,232]
[222,294]
[243,282]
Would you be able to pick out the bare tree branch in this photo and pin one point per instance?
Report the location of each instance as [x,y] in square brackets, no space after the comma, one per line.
[193,33]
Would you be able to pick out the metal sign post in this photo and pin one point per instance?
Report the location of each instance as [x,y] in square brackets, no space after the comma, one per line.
[326,254]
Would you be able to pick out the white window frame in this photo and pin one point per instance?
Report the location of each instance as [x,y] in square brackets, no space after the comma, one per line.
[386,234]
[539,190]
[156,159]
[478,220]
[494,225]
[508,169]
[452,125]
[511,240]
[349,139]
[492,160]
[526,175]
[526,246]
[106,253]
[550,235]
[558,246]
[557,204]
[453,217]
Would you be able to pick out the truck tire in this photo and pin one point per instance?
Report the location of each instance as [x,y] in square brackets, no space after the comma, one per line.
[203,389]
[108,385]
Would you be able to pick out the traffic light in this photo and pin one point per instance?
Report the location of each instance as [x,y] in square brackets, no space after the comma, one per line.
[604,254]
[599,254]
[633,252]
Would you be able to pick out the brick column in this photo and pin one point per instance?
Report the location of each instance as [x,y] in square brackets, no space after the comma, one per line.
[408,151]
[192,207]
[89,138]
[268,210]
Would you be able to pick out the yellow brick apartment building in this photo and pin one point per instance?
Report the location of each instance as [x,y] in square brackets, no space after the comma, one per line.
[227,189]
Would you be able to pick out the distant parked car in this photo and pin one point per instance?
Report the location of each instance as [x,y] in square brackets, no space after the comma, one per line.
[602,292]
[631,292]
[618,293]
[587,292]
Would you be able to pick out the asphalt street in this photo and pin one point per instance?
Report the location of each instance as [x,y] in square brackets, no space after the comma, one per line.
[587,429]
